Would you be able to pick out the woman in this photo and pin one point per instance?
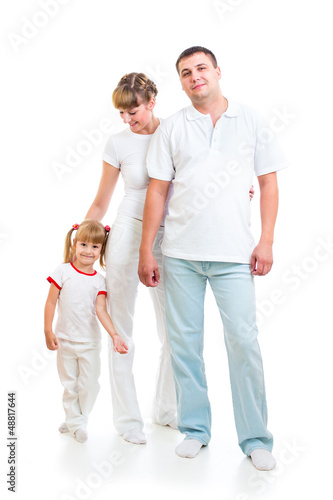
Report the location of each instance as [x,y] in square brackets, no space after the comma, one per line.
[126,152]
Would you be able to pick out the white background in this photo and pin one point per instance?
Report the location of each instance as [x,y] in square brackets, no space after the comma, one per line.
[58,73]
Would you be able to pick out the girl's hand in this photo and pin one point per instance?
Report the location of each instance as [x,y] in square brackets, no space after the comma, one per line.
[51,341]
[119,345]
[251,192]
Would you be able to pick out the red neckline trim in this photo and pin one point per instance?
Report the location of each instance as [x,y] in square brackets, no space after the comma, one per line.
[86,274]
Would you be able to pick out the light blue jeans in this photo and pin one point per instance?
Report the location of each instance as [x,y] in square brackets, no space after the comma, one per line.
[233,287]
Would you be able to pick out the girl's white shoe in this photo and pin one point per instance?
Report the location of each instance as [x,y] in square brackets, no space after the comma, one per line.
[63,428]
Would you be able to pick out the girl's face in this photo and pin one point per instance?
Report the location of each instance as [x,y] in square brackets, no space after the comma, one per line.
[87,253]
[139,118]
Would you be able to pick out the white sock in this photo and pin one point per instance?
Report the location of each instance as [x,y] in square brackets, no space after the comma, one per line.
[173,424]
[189,448]
[263,459]
[81,435]
[135,436]
[63,428]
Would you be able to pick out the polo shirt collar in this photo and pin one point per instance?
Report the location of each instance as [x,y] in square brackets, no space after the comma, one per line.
[233,110]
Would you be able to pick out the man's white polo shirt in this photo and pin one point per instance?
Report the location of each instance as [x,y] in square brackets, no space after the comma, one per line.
[212,170]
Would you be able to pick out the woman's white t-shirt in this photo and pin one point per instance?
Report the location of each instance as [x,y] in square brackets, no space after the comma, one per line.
[128,152]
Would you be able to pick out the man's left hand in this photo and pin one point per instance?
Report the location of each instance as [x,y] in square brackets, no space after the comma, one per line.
[262,259]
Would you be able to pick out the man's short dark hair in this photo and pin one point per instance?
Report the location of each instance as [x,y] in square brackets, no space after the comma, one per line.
[194,50]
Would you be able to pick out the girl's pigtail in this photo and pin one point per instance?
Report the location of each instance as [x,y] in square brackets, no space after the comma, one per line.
[102,255]
[68,246]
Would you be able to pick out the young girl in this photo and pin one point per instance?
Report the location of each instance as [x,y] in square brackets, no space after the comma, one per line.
[80,292]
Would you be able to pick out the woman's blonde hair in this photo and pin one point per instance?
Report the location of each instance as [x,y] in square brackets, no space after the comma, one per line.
[91,231]
[132,90]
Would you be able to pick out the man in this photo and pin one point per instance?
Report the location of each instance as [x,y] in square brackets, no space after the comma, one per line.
[209,151]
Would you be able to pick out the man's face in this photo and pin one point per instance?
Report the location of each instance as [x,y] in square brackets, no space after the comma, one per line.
[198,77]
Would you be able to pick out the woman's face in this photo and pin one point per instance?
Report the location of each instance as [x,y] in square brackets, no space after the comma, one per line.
[139,118]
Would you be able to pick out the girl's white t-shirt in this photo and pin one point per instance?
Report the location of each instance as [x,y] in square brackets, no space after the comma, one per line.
[77,320]
[128,152]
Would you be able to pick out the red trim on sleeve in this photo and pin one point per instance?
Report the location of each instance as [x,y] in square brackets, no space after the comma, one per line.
[101,293]
[50,280]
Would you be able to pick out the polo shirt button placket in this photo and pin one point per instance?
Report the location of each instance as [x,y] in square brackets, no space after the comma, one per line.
[214,140]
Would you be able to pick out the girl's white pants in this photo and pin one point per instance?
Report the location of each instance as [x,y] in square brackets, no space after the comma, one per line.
[122,258]
[79,368]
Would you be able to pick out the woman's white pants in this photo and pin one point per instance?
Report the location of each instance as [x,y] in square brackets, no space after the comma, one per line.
[122,258]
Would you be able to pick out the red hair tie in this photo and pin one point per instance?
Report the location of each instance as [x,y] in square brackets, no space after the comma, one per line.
[75,226]
[107,228]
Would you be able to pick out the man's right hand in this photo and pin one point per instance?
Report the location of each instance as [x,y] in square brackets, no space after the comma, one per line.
[148,271]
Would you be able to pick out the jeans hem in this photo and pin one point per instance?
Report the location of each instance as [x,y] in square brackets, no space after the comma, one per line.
[204,443]
[257,448]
